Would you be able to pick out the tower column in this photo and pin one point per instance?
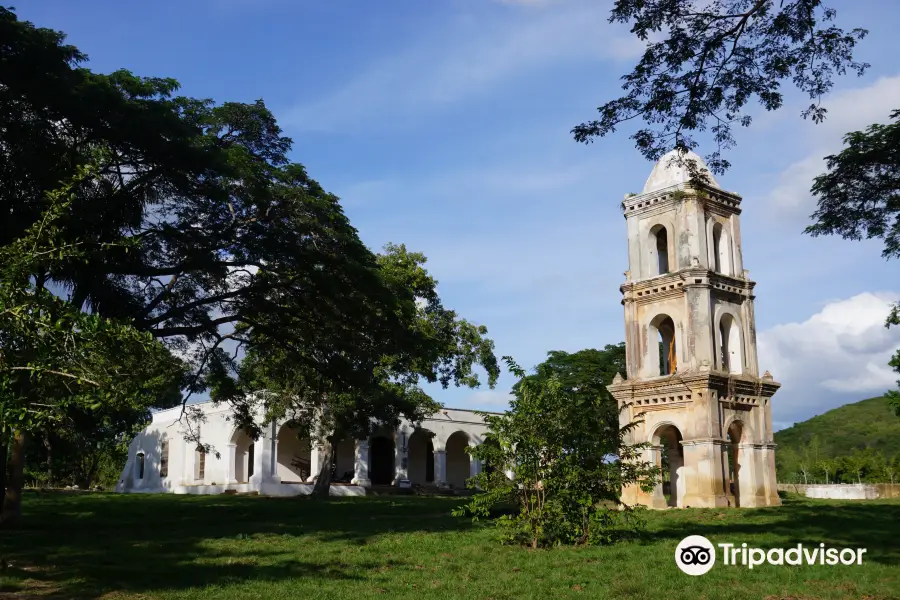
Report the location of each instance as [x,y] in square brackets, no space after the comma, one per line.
[703,474]
[632,340]
[748,315]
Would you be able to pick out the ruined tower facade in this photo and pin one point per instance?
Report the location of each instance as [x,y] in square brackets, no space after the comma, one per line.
[693,381]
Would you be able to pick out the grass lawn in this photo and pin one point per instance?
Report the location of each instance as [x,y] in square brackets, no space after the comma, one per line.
[162,546]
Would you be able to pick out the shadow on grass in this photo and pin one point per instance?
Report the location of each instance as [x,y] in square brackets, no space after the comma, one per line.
[88,545]
[873,525]
[85,545]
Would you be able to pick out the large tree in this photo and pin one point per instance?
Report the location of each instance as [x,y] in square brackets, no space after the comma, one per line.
[223,225]
[429,343]
[60,365]
[193,227]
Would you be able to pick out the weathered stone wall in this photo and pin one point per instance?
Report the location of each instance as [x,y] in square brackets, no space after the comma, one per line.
[844,491]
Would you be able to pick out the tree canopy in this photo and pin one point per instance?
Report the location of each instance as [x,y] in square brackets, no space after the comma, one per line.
[705,61]
[433,346]
[183,225]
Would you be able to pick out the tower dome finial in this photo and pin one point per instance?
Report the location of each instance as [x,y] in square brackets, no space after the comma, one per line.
[672,169]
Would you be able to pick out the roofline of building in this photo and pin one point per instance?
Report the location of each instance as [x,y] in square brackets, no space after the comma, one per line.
[467,410]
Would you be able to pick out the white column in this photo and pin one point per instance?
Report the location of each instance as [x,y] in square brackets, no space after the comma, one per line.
[474,468]
[231,474]
[654,457]
[361,464]
[401,456]
[440,467]
[272,458]
[313,463]
[275,476]
[190,453]
[260,456]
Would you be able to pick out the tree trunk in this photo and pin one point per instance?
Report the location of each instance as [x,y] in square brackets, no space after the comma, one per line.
[4,454]
[323,482]
[12,500]
[49,448]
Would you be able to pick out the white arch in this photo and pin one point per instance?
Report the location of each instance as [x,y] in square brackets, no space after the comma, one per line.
[730,342]
[458,460]
[746,429]
[676,461]
[293,460]
[244,455]
[654,429]
[669,340]
[656,265]
[721,247]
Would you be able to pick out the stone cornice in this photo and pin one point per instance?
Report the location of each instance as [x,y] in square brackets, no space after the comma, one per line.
[673,284]
[715,200]
[731,388]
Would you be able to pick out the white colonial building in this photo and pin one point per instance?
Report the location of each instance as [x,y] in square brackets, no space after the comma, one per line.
[279,463]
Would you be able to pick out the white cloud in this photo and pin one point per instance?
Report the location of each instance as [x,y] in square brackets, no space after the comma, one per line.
[467,58]
[838,355]
[848,110]
[490,400]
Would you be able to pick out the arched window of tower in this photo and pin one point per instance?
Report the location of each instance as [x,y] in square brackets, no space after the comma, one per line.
[731,356]
[721,243]
[665,338]
[659,251]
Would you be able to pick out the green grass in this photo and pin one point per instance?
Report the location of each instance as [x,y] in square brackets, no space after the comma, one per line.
[155,546]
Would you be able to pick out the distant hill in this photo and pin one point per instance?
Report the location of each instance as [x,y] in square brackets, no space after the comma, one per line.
[867,423]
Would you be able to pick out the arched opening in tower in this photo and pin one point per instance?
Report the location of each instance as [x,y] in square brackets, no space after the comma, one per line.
[670,459]
[731,357]
[659,250]
[733,459]
[721,249]
[668,360]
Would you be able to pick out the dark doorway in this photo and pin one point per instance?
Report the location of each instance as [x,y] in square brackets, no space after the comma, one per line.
[429,463]
[381,459]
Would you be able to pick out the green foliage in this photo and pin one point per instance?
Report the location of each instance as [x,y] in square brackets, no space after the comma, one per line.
[584,374]
[426,342]
[56,358]
[854,443]
[568,457]
[197,228]
[859,196]
[704,63]
[184,227]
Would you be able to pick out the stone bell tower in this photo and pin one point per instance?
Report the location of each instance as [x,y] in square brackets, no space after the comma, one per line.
[693,381]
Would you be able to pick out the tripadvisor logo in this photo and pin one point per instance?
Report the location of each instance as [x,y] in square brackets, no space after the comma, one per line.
[696,555]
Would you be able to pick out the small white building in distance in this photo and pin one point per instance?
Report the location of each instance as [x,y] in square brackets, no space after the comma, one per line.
[281,464]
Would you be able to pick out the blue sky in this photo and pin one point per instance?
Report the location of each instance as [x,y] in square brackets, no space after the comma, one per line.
[445,125]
